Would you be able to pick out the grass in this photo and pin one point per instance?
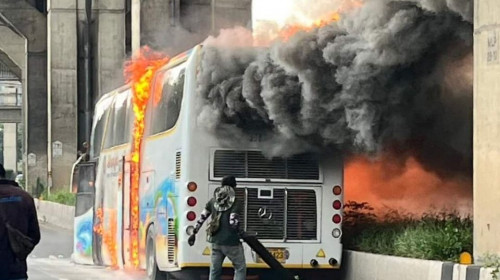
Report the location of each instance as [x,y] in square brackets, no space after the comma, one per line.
[440,236]
[62,197]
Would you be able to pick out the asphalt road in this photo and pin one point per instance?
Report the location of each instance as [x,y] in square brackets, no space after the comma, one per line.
[51,260]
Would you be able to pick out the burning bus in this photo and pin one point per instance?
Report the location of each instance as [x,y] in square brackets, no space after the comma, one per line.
[153,167]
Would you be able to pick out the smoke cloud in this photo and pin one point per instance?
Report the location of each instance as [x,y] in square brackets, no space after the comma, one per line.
[391,76]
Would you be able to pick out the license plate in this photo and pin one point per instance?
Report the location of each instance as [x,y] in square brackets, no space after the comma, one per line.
[278,253]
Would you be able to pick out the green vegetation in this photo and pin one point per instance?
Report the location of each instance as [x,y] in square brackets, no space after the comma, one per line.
[492,261]
[62,197]
[434,236]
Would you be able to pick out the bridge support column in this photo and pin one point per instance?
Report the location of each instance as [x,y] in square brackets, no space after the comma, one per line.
[110,44]
[486,129]
[35,120]
[62,90]
[176,26]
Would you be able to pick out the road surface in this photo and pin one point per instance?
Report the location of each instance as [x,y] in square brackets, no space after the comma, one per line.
[51,260]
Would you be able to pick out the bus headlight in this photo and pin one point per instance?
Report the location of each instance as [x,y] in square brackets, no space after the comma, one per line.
[189,230]
[336,233]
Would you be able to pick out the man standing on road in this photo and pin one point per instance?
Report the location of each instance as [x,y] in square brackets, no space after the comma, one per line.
[17,218]
[223,230]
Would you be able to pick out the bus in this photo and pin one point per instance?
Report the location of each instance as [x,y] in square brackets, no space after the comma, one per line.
[293,205]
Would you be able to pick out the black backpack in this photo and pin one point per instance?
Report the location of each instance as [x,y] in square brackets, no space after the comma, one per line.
[19,243]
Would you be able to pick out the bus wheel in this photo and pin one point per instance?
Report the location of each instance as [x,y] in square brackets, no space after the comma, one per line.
[152,269]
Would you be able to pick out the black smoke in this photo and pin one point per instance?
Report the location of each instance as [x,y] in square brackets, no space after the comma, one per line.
[392,76]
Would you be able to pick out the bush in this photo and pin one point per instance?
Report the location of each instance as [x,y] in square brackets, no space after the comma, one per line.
[62,197]
[433,236]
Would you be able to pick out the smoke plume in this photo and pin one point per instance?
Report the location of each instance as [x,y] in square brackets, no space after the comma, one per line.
[390,77]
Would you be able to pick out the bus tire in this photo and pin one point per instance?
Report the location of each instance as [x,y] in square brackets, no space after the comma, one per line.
[152,269]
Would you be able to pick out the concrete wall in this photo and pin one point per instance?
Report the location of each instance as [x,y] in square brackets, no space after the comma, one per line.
[62,89]
[111,44]
[486,128]
[55,214]
[155,21]
[364,266]
[175,26]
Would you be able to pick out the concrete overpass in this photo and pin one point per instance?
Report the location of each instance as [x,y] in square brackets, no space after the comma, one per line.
[10,110]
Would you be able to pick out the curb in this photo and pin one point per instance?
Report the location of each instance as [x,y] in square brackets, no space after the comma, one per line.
[366,266]
[55,214]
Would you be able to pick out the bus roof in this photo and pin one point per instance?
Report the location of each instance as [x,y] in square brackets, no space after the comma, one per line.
[172,62]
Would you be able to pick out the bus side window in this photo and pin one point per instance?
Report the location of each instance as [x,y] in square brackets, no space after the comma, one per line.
[109,135]
[129,120]
[167,107]
[120,132]
[175,101]
[95,144]
[98,134]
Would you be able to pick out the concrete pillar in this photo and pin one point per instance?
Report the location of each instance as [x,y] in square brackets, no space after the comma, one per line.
[157,18]
[110,56]
[486,128]
[62,90]
[9,146]
[29,23]
[175,26]
[230,13]
[35,119]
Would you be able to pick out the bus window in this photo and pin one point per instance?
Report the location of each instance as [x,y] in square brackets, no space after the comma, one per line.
[96,141]
[174,100]
[167,107]
[109,135]
[120,132]
[117,129]
[100,118]
[129,119]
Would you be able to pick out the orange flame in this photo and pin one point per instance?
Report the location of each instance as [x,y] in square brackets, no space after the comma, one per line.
[267,33]
[404,185]
[108,235]
[288,31]
[139,72]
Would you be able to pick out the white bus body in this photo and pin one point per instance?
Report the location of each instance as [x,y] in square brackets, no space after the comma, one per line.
[296,194]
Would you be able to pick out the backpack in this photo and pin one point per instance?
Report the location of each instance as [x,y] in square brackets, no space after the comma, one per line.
[19,243]
[223,200]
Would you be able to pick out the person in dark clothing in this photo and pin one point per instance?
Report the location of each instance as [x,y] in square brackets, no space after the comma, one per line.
[223,230]
[17,208]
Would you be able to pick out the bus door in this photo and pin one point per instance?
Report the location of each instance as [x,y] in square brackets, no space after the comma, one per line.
[125,209]
[97,239]
[84,178]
